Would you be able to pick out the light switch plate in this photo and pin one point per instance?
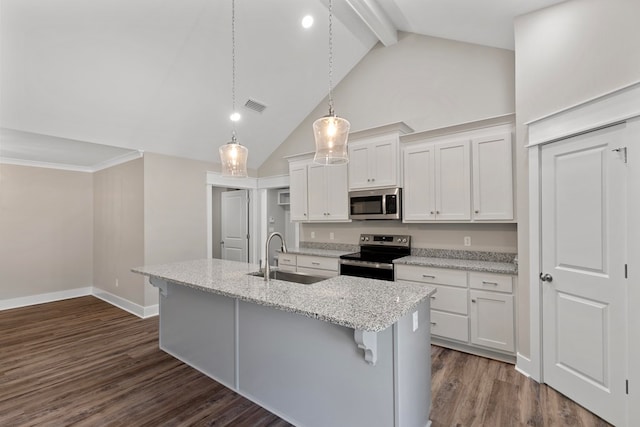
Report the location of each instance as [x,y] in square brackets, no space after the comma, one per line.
[415,321]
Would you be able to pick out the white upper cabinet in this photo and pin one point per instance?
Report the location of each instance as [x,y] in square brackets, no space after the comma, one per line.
[492,178]
[419,183]
[318,193]
[373,162]
[453,185]
[437,182]
[298,191]
[327,193]
[467,176]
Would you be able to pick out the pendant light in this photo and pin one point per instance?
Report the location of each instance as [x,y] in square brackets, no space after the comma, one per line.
[331,132]
[233,155]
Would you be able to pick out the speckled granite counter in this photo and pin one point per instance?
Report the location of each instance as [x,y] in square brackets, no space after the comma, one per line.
[358,303]
[461,264]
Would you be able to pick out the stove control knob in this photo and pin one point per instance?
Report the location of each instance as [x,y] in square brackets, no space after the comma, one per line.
[399,240]
[366,239]
[404,240]
[362,238]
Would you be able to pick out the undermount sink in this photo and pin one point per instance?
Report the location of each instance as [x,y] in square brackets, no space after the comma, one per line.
[290,276]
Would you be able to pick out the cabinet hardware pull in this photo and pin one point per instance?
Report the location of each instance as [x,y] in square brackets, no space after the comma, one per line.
[433,297]
[315,263]
[434,323]
[484,282]
[368,180]
[437,212]
[432,212]
[473,300]
[477,211]
[427,276]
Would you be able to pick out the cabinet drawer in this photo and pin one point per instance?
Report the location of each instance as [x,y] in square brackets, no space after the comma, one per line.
[439,276]
[285,267]
[317,272]
[286,259]
[491,282]
[450,299]
[447,325]
[318,262]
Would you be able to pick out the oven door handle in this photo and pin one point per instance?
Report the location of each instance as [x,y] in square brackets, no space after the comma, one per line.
[365,264]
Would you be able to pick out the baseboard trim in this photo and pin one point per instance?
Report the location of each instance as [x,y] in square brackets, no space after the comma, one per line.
[125,304]
[115,300]
[523,365]
[8,304]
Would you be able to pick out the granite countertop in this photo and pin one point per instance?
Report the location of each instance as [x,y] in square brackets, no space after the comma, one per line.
[461,264]
[328,253]
[358,303]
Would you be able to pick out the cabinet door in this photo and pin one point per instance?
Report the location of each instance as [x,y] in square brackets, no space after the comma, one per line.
[317,193]
[453,181]
[337,195]
[419,201]
[298,190]
[359,166]
[384,164]
[492,178]
[492,320]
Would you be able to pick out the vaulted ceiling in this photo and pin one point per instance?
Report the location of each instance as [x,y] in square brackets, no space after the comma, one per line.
[156,75]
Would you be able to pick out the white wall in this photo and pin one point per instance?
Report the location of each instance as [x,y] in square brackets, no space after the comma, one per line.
[46,231]
[424,81]
[566,54]
[118,230]
[175,211]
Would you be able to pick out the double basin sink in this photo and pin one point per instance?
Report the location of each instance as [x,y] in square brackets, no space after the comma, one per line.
[290,276]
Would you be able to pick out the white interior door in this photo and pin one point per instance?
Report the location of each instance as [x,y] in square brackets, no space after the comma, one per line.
[235,225]
[584,254]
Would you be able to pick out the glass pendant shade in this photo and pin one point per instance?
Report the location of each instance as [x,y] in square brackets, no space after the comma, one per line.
[331,133]
[233,157]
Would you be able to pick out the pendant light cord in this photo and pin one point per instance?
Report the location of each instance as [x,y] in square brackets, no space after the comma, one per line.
[233,66]
[331,57]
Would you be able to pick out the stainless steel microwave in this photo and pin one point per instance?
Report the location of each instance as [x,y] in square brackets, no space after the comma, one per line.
[375,204]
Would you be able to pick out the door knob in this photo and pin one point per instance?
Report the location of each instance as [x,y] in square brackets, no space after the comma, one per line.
[546,277]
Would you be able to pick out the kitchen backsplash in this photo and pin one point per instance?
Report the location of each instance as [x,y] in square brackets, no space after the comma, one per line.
[484,237]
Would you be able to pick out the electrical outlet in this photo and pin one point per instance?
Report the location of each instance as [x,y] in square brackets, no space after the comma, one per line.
[415,321]
[313,234]
[331,236]
[467,240]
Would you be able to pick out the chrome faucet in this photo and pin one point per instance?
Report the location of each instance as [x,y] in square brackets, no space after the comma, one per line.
[267,268]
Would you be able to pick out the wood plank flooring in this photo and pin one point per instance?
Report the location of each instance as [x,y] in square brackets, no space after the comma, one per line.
[83,362]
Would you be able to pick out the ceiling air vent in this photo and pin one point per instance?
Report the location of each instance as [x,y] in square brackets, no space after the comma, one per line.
[254,105]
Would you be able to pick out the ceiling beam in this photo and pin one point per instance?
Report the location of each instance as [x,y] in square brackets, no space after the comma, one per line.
[375,18]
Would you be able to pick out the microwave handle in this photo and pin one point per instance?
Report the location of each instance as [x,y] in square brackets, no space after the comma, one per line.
[384,204]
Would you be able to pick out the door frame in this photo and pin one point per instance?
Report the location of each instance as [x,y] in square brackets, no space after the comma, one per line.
[215,179]
[621,105]
[257,208]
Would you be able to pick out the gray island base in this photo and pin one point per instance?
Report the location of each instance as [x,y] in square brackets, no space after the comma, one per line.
[357,354]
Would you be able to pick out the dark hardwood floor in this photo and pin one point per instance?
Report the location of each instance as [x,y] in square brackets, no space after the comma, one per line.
[83,362]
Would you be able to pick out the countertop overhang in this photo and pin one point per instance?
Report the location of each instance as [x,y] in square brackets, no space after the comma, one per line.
[362,304]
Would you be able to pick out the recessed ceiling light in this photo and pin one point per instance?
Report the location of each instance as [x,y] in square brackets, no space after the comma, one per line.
[235,117]
[307,21]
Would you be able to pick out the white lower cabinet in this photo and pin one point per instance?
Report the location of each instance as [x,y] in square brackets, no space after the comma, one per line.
[318,266]
[287,262]
[471,311]
[314,265]
[492,320]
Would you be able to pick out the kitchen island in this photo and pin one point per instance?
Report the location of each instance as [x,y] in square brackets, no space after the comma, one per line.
[344,351]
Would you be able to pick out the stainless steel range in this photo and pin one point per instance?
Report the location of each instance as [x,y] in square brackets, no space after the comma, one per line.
[375,259]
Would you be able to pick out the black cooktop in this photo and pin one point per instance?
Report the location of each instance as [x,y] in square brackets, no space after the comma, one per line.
[381,248]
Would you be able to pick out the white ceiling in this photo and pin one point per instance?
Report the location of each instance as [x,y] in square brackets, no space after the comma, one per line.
[156,75]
